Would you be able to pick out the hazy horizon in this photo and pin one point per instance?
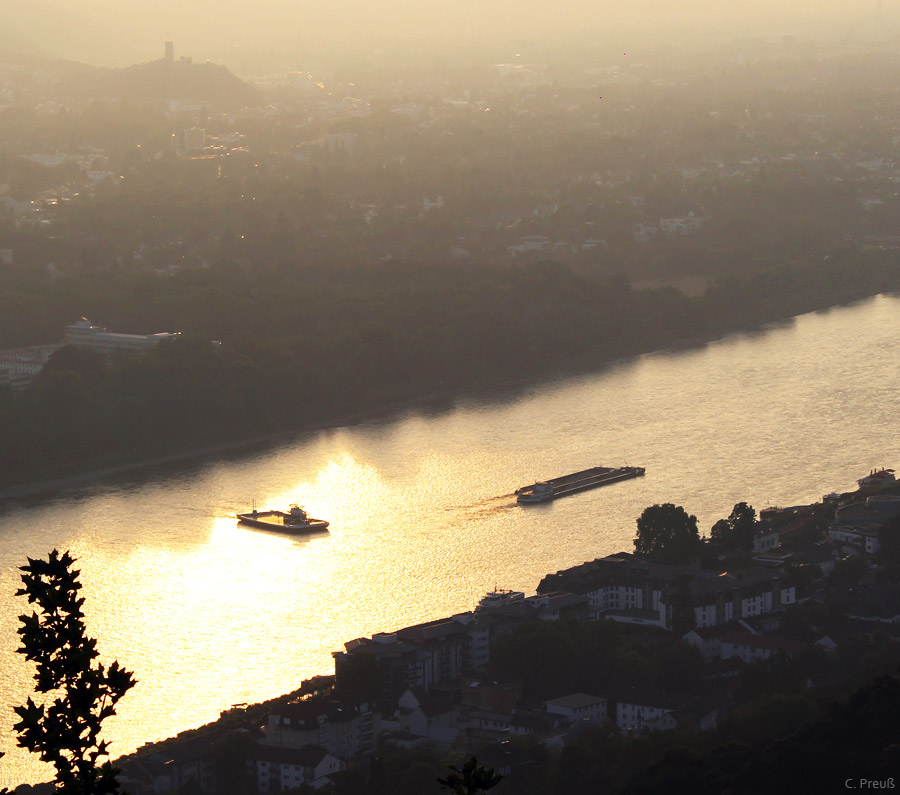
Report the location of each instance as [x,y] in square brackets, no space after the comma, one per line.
[104,33]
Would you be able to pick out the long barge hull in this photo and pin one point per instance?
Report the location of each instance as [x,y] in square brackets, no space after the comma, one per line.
[578,481]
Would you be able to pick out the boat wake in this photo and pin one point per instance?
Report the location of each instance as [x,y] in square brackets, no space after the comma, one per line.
[485,507]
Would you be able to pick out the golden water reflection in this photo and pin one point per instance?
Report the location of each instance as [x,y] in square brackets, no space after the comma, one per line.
[422,515]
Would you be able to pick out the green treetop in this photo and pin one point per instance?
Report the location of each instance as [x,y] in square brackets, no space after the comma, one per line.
[667,534]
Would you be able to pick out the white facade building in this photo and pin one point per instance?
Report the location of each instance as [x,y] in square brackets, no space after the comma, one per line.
[862,537]
[288,769]
[579,706]
[629,589]
[85,334]
[637,710]
[343,729]
[18,366]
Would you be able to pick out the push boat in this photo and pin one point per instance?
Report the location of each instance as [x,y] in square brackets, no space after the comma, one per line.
[294,520]
[546,490]
[498,598]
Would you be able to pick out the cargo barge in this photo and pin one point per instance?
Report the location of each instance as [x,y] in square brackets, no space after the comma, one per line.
[295,520]
[546,490]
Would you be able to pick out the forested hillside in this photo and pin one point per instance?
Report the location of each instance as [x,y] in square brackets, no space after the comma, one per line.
[310,347]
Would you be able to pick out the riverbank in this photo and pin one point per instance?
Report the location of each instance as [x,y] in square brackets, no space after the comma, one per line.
[50,486]
[100,472]
[169,574]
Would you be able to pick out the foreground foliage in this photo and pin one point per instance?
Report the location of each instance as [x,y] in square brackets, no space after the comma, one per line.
[855,745]
[471,779]
[66,731]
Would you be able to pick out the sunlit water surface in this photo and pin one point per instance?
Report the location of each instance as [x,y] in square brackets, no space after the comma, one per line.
[208,613]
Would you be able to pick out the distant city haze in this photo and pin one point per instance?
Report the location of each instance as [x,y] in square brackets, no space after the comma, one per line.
[369,205]
[103,32]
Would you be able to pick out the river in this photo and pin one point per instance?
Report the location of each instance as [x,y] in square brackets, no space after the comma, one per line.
[423,521]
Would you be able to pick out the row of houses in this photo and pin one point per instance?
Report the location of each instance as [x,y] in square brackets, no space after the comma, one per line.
[640,233]
[423,656]
[421,718]
[632,590]
[19,366]
[859,527]
[428,682]
[284,759]
[621,587]
[729,643]
[432,689]
[204,762]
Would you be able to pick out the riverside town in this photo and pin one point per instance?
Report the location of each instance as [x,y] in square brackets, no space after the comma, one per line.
[406,397]
[625,647]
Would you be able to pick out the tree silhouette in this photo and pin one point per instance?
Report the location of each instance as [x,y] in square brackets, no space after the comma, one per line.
[667,534]
[66,731]
[736,531]
[472,779]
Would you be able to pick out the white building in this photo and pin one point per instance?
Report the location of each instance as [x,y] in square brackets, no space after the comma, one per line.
[579,706]
[629,589]
[434,719]
[723,643]
[765,537]
[530,243]
[19,366]
[287,769]
[343,729]
[863,537]
[685,225]
[85,334]
[747,647]
[639,708]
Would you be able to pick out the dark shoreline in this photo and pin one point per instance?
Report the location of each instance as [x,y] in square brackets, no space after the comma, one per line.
[441,400]
[381,412]
[384,412]
[101,473]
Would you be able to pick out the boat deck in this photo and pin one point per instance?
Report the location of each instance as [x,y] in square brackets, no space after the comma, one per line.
[282,521]
[272,517]
[547,490]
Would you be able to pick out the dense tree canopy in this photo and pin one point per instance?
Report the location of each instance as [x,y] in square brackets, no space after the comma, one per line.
[303,347]
[667,534]
[859,734]
[736,532]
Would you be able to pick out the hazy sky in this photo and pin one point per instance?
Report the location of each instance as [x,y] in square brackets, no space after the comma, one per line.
[98,31]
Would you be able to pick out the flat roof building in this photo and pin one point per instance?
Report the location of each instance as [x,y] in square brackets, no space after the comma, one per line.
[85,334]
